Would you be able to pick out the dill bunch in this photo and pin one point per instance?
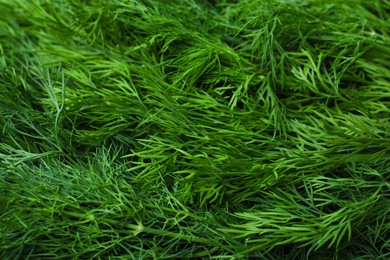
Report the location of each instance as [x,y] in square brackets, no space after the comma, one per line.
[194,129]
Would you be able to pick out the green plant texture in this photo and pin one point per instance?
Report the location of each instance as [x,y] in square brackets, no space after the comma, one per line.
[224,129]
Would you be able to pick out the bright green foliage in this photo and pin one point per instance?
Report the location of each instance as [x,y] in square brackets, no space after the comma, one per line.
[139,129]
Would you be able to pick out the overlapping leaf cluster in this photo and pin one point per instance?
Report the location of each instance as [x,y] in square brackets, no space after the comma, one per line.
[184,128]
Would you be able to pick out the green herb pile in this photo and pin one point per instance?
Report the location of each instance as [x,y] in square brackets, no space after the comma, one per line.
[226,129]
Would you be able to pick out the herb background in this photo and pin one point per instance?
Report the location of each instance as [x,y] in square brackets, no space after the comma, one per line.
[226,129]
